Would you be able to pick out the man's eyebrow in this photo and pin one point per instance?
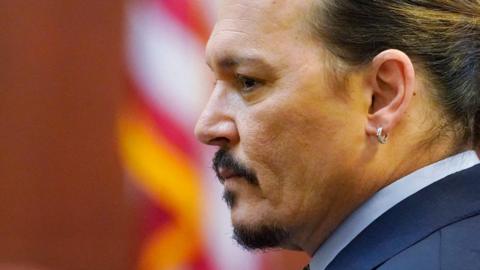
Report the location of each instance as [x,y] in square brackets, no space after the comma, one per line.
[231,62]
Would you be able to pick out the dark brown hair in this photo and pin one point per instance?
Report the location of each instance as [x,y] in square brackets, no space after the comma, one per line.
[442,36]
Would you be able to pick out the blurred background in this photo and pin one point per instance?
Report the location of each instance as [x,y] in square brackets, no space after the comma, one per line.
[99,168]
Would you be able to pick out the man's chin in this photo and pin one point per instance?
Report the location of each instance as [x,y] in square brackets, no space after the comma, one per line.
[260,236]
[250,231]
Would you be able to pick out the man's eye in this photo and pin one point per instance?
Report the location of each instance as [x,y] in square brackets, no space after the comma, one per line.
[247,84]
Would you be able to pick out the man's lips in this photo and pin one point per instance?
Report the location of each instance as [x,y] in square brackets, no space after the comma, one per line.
[225,173]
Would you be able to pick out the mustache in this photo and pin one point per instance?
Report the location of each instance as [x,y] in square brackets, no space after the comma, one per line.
[224,159]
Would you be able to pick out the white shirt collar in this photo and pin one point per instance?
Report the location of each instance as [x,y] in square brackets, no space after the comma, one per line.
[385,199]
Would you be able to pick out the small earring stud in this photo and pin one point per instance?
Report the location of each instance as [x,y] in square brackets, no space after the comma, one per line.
[382,138]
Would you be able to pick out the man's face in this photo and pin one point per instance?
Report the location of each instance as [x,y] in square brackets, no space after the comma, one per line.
[289,134]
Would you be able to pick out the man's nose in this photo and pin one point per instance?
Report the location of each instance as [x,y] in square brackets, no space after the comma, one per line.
[216,125]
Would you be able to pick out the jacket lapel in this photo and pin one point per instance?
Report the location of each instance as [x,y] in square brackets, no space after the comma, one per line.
[447,201]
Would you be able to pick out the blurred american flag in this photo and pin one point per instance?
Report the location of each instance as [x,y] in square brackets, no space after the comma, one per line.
[184,224]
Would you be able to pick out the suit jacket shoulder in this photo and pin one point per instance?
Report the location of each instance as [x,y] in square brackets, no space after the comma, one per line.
[455,247]
[435,228]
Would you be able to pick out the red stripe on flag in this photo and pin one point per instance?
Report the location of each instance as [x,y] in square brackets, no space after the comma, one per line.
[189,13]
[154,217]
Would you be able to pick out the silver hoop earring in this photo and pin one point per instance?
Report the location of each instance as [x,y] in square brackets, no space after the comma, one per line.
[382,138]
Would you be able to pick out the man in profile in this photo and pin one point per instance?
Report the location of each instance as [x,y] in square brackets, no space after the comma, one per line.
[344,129]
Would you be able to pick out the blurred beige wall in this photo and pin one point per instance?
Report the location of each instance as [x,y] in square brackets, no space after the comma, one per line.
[61,192]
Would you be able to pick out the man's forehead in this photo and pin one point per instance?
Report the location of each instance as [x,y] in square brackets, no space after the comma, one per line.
[251,5]
[252,27]
[279,12]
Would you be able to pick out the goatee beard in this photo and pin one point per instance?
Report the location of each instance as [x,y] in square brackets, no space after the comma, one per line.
[261,237]
[249,237]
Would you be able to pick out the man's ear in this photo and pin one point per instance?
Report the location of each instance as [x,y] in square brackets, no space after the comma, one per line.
[391,80]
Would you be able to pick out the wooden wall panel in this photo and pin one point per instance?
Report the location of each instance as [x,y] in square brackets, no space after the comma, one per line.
[62,201]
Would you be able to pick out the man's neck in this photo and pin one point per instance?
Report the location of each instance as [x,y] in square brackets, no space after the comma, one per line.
[385,168]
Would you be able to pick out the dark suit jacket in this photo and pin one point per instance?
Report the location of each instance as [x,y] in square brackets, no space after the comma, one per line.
[436,228]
